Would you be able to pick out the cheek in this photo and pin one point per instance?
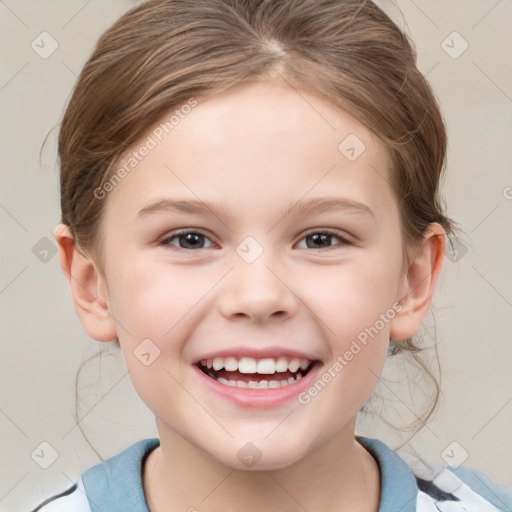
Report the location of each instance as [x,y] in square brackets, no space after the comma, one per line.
[355,305]
[352,297]
[155,299]
[355,312]
[156,302]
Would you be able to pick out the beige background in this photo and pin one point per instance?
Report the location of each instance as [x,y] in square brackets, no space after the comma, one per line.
[43,342]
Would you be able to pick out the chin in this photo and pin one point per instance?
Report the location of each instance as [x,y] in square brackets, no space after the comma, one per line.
[254,457]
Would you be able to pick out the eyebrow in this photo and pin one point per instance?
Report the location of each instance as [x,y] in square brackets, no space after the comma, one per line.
[301,207]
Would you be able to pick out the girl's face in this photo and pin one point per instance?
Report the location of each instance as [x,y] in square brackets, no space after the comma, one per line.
[258,276]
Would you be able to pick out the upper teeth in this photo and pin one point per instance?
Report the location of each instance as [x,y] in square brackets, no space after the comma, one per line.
[250,365]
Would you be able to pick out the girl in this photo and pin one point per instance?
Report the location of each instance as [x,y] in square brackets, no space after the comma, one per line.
[251,211]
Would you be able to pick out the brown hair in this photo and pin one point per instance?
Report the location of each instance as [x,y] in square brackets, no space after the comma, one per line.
[161,53]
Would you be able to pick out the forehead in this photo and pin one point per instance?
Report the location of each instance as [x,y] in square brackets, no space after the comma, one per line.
[255,146]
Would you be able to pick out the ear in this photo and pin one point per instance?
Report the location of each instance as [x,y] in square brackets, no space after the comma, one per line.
[418,282]
[88,290]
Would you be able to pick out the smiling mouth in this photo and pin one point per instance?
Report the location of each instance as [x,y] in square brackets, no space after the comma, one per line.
[255,380]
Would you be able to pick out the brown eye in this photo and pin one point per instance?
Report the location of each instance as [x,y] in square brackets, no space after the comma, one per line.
[323,239]
[187,240]
[194,240]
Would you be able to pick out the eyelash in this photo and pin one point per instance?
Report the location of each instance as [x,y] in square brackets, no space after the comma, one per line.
[167,240]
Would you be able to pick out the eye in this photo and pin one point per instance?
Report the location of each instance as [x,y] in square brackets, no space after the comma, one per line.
[324,238]
[190,239]
[194,240]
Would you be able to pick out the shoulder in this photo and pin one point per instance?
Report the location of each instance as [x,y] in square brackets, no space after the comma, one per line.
[454,489]
[72,499]
[462,489]
[114,484]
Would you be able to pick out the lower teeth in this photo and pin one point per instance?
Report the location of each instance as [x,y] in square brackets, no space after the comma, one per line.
[261,384]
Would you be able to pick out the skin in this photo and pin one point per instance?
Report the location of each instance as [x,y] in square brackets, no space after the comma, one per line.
[255,149]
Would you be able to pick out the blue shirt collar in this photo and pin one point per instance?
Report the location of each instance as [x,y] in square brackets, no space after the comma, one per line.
[116,483]
[399,490]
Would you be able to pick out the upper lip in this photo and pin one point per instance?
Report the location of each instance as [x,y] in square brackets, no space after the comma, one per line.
[257,353]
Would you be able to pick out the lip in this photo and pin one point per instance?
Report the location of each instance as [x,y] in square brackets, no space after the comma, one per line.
[269,352]
[258,398]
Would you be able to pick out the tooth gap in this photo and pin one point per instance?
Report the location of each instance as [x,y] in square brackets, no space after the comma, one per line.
[307,369]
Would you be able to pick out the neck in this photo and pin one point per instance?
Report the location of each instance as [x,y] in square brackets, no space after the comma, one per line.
[339,475]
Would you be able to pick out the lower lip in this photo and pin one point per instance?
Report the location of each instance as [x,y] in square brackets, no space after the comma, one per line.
[258,398]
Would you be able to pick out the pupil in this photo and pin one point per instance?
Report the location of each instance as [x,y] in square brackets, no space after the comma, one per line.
[190,237]
[320,237]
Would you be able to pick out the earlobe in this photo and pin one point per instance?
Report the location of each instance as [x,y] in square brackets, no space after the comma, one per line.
[418,283]
[88,292]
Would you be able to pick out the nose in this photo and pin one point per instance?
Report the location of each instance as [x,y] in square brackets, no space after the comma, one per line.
[258,290]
